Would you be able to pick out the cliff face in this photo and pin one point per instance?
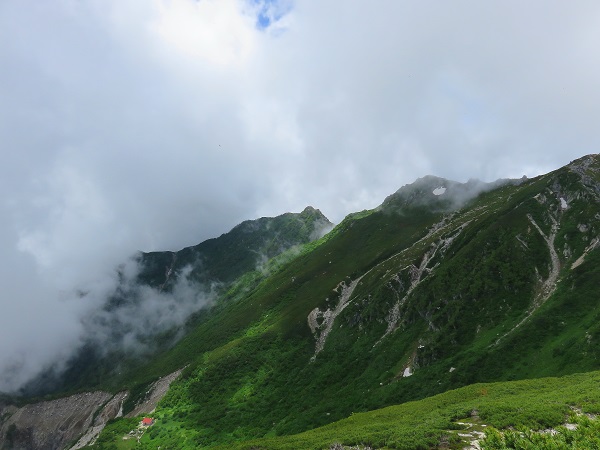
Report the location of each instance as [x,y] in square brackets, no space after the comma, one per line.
[50,424]
[71,422]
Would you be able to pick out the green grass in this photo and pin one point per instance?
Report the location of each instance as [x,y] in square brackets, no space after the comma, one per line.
[248,371]
[586,436]
[525,405]
[531,404]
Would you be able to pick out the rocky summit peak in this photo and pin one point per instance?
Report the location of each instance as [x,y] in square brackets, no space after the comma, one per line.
[435,193]
[309,211]
[586,163]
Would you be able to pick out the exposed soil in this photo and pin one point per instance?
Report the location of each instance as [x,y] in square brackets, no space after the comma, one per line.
[56,424]
[51,424]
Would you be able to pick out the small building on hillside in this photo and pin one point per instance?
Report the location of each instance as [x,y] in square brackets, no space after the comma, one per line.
[147,421]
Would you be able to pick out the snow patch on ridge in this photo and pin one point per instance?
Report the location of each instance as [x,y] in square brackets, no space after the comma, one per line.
[439,190]
[563,203]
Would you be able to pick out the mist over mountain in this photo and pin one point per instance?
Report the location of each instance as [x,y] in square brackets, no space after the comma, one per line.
[151,126]
[135,133]
[439,194]
[280,327]
[145,305]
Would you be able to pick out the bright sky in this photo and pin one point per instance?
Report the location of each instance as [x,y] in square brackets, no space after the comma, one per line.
[156,124]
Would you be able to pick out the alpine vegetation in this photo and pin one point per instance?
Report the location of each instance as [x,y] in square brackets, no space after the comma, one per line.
[453,301]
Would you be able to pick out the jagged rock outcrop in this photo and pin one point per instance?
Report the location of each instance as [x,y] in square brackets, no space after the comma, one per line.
[112,409]
[51,424]
[71,422]
[155,393]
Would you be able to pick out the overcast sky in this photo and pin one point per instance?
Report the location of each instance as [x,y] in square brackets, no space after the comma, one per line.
[153,124]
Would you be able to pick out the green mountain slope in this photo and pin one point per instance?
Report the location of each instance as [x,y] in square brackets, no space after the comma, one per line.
[442,286]
[205,271]
[246,246]
[424,294]
[453,419]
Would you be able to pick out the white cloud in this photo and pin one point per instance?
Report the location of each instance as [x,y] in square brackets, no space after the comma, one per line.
[211,31]
[158,124]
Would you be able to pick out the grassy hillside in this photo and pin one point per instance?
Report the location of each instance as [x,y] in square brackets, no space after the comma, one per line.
[525,405]
[246,246]
[412,299]
[248,253]
[529,404]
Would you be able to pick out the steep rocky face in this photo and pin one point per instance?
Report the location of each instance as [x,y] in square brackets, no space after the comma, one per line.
[71,422]
[50,424]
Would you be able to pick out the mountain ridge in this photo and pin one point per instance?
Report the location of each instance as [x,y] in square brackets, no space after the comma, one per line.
[394,304]
[203,271]
[248,237]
